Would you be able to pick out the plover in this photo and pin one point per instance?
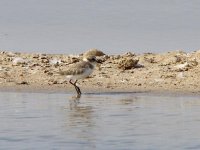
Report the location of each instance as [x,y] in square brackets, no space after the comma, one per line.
[80,70]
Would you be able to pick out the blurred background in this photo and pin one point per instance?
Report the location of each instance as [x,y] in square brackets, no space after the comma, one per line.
[114,26]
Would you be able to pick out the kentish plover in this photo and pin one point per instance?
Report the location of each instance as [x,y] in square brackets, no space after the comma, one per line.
[80,70]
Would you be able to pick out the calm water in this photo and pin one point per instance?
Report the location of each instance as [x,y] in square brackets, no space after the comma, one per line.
[115,26]
[105,121]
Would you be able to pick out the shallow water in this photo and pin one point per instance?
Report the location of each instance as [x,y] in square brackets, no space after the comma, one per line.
[99,121]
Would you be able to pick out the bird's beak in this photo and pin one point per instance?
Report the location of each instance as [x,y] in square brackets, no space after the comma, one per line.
[98,65]
[99,61]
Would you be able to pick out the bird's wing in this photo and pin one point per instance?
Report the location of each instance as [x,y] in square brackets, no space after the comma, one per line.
[77,69]
[72,71]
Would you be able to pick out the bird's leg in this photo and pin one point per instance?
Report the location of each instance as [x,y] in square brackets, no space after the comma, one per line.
[70,81]
[76,87]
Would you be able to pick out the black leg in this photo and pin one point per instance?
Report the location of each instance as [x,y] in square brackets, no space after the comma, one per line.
[78,90]
[76,87]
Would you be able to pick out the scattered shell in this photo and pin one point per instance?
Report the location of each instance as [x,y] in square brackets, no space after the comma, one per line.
[181,66]
[55,61]
[180,75]
[18,60]
[124,80]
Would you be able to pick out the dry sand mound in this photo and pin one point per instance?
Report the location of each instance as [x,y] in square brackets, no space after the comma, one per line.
[172,71]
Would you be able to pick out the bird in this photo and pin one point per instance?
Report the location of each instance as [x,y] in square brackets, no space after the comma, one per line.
[80,70]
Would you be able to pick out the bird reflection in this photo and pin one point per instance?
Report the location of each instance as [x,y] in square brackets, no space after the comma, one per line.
[80,122]
[129,101]
[80,114]
[76,98]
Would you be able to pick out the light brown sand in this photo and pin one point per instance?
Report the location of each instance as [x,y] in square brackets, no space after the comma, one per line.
[174,71]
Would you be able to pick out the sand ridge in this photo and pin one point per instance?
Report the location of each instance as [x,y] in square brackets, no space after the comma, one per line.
[174,71]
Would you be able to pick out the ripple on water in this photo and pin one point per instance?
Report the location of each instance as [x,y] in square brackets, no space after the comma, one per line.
[99,121]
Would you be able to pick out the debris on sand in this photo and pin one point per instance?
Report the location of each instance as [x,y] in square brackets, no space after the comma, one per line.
[127,63]
[18,61]
[175,70]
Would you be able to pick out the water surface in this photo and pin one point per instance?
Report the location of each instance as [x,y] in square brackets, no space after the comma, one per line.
[99,121]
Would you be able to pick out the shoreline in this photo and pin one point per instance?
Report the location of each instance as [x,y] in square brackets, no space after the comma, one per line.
[96,91]
[172,72]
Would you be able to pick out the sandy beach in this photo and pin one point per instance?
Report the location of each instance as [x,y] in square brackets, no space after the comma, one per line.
[174,71]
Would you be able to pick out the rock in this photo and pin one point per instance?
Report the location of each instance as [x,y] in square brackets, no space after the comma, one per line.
[127,63]
[112,57]
[128,54]
[22,82]
[52,81]
[150,60]
[187,65]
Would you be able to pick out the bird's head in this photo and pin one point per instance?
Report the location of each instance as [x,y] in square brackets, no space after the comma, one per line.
[91,59]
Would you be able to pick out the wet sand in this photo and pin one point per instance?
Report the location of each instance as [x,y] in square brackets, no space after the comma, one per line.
[175,71]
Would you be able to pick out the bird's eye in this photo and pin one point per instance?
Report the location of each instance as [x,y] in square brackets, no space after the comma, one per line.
[93,59]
